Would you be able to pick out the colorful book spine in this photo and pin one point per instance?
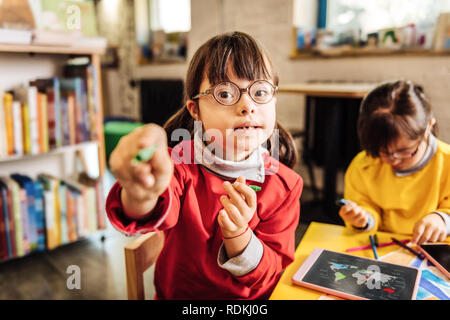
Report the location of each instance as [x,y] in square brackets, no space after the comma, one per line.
[14,206]
[39,214]
[4,217]
[63,213]
[44,122]
[26,129]
[3,240]
[17,124]
[3,140]
[7,107]
[34,125]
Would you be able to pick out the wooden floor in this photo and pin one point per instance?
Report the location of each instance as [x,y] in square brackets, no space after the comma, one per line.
[44,275]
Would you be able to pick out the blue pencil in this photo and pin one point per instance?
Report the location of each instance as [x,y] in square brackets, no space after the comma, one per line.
[374,248]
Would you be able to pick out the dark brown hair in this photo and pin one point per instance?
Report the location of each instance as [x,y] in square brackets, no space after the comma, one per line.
[249,61]
[390,110]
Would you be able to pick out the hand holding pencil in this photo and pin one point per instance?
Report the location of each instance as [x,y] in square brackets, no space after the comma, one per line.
[142,165]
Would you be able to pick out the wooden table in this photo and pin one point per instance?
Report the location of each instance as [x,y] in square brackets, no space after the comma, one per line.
[331,237]
[330,140]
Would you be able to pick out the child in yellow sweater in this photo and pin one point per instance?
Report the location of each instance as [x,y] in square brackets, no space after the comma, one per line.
[401,181]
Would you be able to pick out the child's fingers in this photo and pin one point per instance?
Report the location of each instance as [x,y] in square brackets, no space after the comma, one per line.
[235,196]
[442,235]
[427,230]
[143,174]
[233,212]
[435,235]
[225,221]
[417,232]
[249,193]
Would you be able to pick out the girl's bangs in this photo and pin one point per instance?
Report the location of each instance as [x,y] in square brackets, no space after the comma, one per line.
[240,54]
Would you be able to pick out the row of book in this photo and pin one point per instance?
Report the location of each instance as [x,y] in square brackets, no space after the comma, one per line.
[50,113]
[45,213]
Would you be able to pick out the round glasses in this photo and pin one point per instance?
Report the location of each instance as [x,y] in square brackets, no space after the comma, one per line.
[228,93]
[401,155]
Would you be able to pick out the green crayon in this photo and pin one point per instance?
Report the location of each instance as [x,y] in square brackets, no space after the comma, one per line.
[144,155]
[256,188]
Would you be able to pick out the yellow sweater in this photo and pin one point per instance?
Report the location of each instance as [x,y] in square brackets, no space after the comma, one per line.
[395,202]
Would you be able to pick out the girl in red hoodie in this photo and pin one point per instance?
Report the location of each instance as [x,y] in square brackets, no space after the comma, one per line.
[223,240]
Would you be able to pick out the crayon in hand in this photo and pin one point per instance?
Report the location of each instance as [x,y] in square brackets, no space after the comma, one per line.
[144,155]
[341,202]
[256,188]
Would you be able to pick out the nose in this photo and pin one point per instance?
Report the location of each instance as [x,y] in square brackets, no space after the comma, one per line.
[246,105]
[392,161]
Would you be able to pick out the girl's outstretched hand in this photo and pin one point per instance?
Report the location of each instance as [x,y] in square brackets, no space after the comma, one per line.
[239,207]
[146,181]
[430,228]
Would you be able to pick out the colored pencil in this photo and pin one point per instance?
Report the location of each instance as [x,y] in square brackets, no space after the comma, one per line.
[374,248]
[380,245]
[418,254]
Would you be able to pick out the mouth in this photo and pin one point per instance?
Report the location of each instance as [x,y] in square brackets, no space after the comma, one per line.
[247,128]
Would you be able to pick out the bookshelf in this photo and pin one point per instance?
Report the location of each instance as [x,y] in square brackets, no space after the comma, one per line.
[22,64]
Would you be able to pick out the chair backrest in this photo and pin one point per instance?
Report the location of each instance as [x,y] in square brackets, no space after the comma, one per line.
[139,256]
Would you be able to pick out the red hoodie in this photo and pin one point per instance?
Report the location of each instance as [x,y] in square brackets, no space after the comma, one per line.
[187,267]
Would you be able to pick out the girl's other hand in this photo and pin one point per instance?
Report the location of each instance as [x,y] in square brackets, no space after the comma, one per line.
[430,228]
[144,181]
[239,207]
[354,215]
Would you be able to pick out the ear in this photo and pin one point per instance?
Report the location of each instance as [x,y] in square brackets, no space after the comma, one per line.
[193,109]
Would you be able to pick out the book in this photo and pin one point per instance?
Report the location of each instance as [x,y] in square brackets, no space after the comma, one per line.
[14,207]
[5,232]
[81,201]
[72,196]
[26,135]
[63,212]
[27,185]
[77,85]
[3,140]
[8,113]
[15,36]
[51,208]
[55,38]
[3,213]
[40,216]
[28,96]
[17,124]
[51,87]
[42,122]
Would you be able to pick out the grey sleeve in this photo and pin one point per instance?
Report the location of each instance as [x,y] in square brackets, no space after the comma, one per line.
[244,263]
[446,219]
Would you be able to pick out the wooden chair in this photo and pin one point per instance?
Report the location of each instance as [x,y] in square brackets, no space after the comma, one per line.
[140,255]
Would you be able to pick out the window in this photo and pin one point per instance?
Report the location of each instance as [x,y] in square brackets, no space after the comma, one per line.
[374,15]
[161,29]
[170,15]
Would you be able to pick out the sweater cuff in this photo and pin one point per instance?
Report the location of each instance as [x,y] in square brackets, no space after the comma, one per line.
[130,227]
[244,263]
[446,219]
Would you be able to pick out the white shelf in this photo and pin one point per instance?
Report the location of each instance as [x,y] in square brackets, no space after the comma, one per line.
[63,149]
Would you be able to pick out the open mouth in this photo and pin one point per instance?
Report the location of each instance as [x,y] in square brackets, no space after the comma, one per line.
[247,128]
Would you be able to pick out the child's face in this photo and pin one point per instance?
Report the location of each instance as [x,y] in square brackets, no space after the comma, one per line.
[243,126]
[405,153]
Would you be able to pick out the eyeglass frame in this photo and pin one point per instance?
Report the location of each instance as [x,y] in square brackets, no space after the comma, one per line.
[241,90]
[391,155]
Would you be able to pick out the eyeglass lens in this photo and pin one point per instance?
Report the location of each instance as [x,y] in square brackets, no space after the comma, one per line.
[227,93]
